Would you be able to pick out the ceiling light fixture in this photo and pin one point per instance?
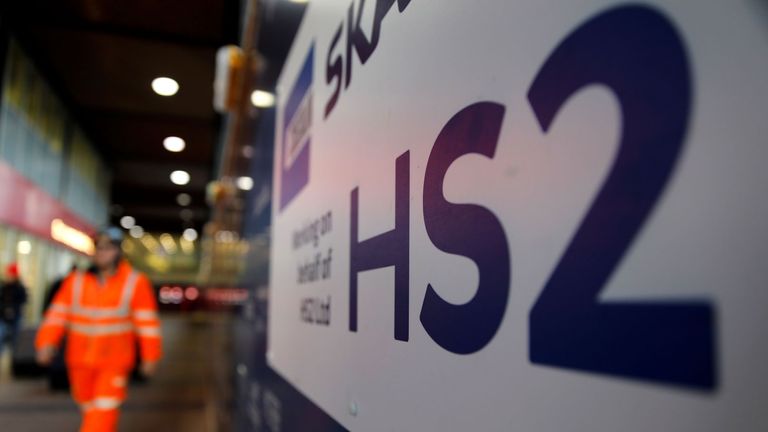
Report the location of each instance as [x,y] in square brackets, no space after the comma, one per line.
[72,237]
[136,231]
[262,99]
[24,247]
[190,234]
[187,215]
[165,86]
[183,199]
[150,243]
[127,222]
[168,243]
[245,183]
[174,144]
[180,177]
[247,151]
[188,247]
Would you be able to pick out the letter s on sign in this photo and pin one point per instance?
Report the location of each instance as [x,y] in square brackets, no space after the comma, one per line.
[466,229]
[333,71]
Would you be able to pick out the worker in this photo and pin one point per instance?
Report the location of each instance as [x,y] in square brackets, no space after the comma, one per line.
[13,295]
[103,311]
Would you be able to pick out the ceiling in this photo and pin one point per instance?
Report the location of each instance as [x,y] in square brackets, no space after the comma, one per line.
[101,56]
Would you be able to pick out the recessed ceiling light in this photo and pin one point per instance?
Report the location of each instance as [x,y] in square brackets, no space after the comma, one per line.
[127,222]
[174,144]
[165,86]
[136,231]
[24,247]
[245,183]
[168,243]
[247,151]
[190,234]
[187,215]
[262,99]
[180,177]
[183,199]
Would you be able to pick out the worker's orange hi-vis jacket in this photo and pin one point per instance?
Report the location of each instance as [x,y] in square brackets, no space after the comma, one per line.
[103,320]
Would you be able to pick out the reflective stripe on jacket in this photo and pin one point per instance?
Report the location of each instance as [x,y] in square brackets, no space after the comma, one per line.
[103,321]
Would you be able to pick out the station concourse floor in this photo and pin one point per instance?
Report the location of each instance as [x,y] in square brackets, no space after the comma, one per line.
[188,393]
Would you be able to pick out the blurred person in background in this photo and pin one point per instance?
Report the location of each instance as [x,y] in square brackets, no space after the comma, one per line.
[103,311]
[55,287]
[13,295]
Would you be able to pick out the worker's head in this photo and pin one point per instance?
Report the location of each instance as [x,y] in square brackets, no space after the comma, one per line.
[12,272]
[108,252]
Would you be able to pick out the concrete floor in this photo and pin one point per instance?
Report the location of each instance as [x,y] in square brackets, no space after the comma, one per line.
[189,392]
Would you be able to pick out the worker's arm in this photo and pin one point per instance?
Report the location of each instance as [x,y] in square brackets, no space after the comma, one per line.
[54,324]
[147,324]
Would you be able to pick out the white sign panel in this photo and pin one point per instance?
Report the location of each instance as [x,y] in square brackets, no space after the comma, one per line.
[516,215]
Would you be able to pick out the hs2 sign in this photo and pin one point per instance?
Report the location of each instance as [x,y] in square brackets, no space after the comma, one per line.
[636,53]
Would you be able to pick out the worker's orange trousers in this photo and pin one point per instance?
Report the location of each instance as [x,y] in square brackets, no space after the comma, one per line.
[99,392]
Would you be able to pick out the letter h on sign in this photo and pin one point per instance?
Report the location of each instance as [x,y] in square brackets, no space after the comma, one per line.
[384,250]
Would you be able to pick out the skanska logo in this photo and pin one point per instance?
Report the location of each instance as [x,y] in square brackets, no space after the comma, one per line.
[296,128]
